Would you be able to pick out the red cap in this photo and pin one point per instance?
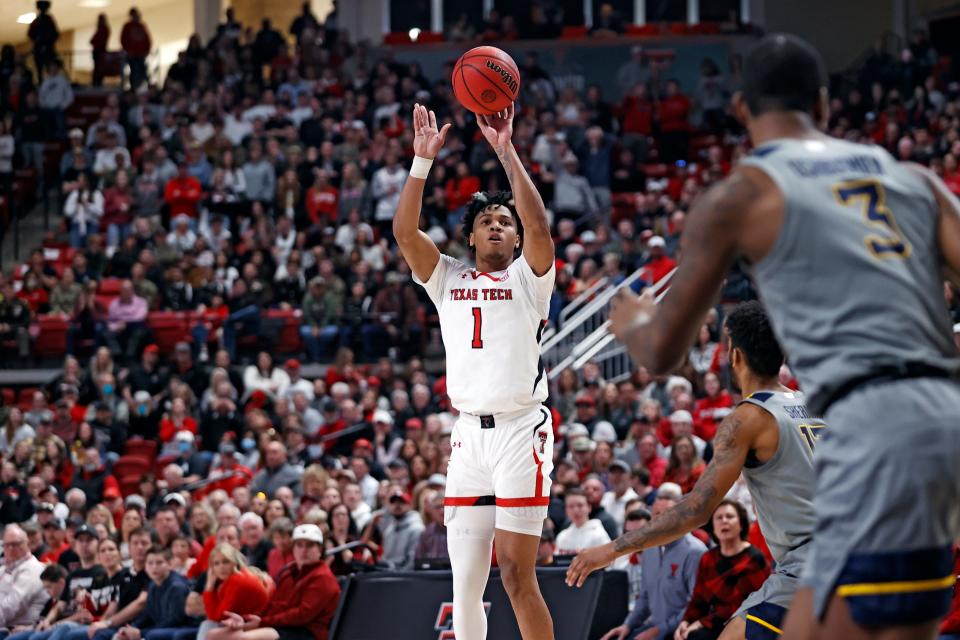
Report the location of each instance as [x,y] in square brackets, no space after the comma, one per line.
[373,381]
[292,363]
[363,443]
[111,492]
[258,398]
[414,423]
[151,348]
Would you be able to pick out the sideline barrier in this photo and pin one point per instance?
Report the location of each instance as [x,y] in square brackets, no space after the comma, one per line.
[417,605]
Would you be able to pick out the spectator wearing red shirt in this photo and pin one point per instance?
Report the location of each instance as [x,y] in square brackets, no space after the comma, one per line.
[659,264]
[177,419]
[459,191]
[951,174]
[638,112]
[305,600]
[685,466]
[183,193]
[673,115]
[281,535]
[322,200]
[710,410]
[34,294]
[232,586]
[727,574]
[135,40]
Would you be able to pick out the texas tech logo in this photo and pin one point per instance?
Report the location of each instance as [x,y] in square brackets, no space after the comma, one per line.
[444,622]
[543,441]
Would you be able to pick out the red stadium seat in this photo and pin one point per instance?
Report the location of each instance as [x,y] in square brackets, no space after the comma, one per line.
[109,287]
[145,448]
[642,30]
[162,462]
[25,398]
[9,396]
[288,336]
[52,340]
[169,328]
[659,170]
[131,465]
[129,484]
[574,32]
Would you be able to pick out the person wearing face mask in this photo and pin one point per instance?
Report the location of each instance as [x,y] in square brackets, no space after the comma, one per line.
[194,464]
[144,416]
[92,478]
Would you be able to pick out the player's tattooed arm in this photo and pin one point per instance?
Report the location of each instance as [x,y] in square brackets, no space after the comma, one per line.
[730,451]
[537,241]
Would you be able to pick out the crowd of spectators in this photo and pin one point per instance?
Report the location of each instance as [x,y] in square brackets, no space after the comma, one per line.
[266,175]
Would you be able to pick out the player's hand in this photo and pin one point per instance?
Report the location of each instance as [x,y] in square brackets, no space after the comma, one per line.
[650,634]
[629,311]
[498,128]
[427,138]
[588,561]
[617,633]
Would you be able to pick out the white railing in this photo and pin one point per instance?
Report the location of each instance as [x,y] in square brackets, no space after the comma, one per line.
[578,345]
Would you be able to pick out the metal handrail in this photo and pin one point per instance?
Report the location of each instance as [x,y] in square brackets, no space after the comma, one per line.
[585,295]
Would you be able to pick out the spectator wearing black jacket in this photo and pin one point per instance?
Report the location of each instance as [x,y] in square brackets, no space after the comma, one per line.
[15,503]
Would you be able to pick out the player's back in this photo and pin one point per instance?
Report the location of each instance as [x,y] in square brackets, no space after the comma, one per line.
[852,284]
[782,488]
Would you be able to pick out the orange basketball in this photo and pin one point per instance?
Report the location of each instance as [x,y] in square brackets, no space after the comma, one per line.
[486,80]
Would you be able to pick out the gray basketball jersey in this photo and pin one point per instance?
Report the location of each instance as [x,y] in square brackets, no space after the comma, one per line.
[782,488]
[853,281]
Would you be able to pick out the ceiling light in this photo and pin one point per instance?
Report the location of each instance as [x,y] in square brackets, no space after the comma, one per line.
[27,18]
[93,4]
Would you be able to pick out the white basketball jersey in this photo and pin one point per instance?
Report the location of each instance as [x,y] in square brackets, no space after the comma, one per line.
[491,325]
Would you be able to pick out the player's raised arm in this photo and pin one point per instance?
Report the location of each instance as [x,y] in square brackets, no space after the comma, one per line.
[537,242]
[658,336]
[417,248]
[734,439]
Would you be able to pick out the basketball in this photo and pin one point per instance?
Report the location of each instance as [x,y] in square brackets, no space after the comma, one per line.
[486,80]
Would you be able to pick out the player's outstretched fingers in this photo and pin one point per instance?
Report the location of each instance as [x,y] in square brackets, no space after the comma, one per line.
[433,119]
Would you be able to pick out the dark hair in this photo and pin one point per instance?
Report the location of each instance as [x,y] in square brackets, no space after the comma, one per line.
[143,531]
[638,514]
[158,550]
[642,474]
[783,73]
[53,573]
[575,491]
[741,515]
[481,201]
[750,331]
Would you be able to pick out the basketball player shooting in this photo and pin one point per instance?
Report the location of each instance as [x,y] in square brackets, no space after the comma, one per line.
[492,316]
[848,248]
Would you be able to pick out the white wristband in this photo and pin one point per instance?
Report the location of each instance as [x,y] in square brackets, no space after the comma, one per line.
[421,167]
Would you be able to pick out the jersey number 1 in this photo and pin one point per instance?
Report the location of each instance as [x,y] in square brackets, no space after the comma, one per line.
[477,324]
[869,195]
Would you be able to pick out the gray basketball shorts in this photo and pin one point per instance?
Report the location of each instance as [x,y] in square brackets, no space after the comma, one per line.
[888,502]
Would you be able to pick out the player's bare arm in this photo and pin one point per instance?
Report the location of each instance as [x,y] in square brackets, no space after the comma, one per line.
[537,243]
[417,248]
[658,336]
[736,435]
[948,230]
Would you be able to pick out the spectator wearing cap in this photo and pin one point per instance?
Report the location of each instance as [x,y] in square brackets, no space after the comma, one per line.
[21,592]
[92,478]
[54,534]
[305,601]
[615,500]
[297,384]
[586,410]
[583,531]
[658,263]
[400,528]
[668,577]
[387,443]
[433,541]
[276,472]
[572,195]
